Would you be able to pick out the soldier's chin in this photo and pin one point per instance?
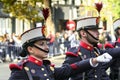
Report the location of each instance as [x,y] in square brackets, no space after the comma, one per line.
[46,51]
[96,41]
[45,56]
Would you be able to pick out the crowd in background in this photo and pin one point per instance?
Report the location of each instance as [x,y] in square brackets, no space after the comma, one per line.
[60,42]
[10,46]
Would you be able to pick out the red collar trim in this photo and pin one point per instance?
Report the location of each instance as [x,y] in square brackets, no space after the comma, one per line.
[86,46]
[34,60]
[118,40]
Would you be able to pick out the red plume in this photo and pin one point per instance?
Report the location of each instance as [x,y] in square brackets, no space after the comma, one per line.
[45,12]
[99,6]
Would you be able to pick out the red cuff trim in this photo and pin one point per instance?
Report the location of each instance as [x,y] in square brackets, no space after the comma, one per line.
[74,66]
[108,46]
[71,54]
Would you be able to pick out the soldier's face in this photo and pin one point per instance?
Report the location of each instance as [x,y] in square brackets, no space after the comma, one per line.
[95,34]
[43,44]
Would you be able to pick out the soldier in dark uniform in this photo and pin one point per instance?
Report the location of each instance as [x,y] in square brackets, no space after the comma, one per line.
[114,69]
[88,32]
[35,67]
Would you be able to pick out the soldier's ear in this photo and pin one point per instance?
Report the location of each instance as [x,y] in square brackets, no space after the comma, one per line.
[30,49]
[83,33]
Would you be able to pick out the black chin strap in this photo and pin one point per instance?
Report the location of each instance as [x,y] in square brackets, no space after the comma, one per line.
[91,35]
[41,49]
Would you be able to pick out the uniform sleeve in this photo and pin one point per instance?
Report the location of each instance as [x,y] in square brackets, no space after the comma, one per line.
[114,52]
[68,70]
[18,75]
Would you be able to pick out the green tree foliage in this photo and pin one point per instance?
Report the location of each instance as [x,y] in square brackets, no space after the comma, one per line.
[24,9]
[115,8]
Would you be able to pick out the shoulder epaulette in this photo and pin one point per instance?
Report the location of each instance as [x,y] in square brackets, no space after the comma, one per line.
[18,66]
[73,51]
[108,45]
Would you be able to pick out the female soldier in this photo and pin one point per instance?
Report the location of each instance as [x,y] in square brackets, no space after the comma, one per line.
[35,67]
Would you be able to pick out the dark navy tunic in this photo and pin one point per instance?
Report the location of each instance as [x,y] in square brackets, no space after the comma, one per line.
[115,65]
[33,69]
[84,51]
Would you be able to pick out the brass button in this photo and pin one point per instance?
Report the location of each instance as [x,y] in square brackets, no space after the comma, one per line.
[42,69]
[33,71]
[45,74]
[95,76]
[47,79]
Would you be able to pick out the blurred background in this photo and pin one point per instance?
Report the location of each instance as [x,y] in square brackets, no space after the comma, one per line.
[17,16]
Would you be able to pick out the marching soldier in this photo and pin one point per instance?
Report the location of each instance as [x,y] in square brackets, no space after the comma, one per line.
[88,31]
[35,67]
[114,69]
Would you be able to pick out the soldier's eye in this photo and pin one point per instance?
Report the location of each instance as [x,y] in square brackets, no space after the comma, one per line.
[43,43]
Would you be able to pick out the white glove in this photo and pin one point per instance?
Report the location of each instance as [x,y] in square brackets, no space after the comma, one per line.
[104,58]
